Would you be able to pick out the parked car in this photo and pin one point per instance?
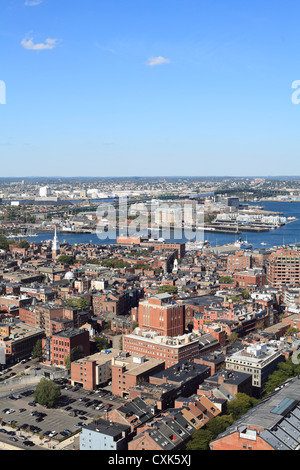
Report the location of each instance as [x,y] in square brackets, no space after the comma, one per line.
[28,443]
[68,431]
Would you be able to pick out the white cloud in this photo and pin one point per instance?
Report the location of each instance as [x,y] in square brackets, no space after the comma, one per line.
[49,44]
[152,61]
[33,3]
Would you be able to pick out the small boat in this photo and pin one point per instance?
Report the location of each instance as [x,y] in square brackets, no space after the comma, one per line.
[243,244]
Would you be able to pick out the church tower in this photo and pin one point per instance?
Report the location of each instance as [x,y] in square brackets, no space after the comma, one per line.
[55,246]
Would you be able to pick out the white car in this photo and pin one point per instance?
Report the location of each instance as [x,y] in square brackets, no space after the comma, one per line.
[9,412]
[53,434]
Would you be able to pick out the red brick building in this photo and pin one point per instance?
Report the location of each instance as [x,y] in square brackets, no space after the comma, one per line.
[127,371]
[250,279]
[170,350]
[108,302]
[239,261]
[161,314]
[65,344]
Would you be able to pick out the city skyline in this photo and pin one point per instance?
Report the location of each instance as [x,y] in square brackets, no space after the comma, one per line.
[173,89]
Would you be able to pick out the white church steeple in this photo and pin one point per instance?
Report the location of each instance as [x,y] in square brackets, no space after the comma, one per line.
[55,245]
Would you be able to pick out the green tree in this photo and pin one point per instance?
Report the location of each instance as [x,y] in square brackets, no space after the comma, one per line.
[37,352]
[78,303]
[68,362]
[284,371]
[233,338]
[66,260]
[240,405]
[200,440]
[24,244]
[101,343]
[47,393]
[218,424]
[226,280]
[115,263]
[3,243]
[246,294]
[167,289]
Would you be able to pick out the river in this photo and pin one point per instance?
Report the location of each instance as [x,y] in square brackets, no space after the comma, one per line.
[287,234]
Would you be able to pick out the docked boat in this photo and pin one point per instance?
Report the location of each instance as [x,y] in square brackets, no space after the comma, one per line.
[243,244]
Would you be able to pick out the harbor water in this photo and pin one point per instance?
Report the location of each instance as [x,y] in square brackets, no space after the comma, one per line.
[287,234]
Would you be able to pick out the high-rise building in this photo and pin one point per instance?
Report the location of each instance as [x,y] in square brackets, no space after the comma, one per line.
[45,191]
[283,267]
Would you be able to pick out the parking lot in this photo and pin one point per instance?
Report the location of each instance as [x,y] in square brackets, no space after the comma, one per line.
[26,420]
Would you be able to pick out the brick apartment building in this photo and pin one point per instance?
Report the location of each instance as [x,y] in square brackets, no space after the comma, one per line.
[52,318]
[197,305]
[239,261]
[65,344]
[93,371]
[234,382]
[156,245]
[171,350]
[112,302]
[186,376]
[283,267]
[129,370]
[215,360]
[17,341]
[167,433]
[250,279]
[161,314]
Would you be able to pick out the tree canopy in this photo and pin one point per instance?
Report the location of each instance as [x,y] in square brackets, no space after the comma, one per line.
[77,303]
[37,352]
[284,371]
[101,343]
[47,393]
[167,289]
[66,260]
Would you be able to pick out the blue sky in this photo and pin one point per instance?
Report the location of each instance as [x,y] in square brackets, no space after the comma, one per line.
[149,87]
